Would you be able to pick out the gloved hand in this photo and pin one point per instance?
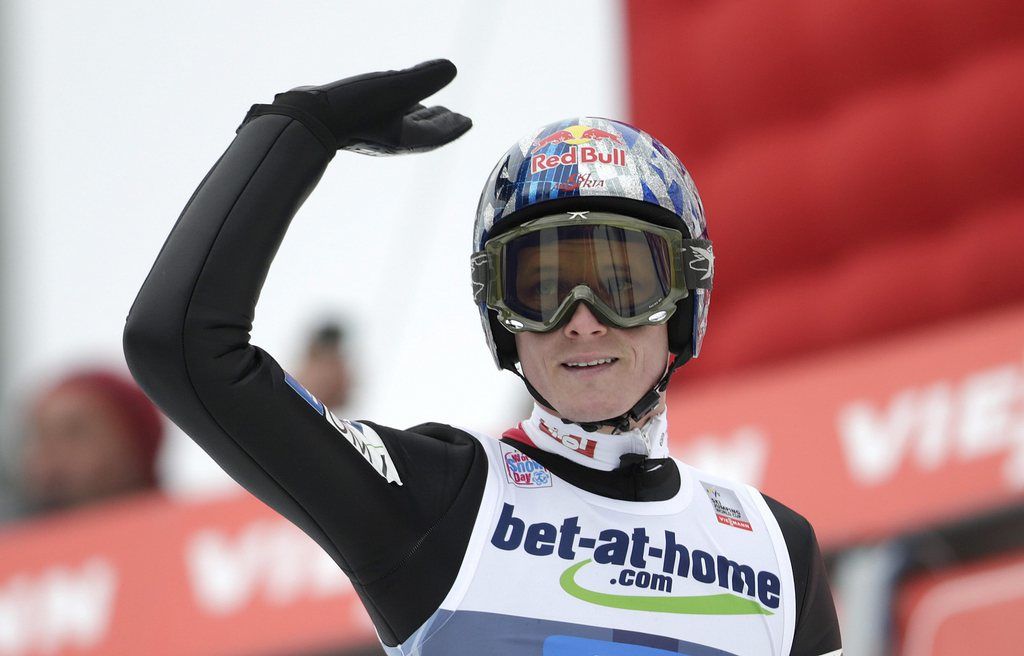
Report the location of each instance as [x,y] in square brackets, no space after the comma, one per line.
[375,113]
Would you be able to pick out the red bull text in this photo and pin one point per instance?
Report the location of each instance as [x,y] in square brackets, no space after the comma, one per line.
[576,136]
[577,155]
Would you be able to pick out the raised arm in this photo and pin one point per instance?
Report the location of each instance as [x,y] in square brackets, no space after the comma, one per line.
[383,503]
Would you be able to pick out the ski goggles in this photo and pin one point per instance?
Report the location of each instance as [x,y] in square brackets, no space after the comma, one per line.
[629,272]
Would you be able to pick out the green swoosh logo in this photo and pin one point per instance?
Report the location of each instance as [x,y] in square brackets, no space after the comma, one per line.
[720,604]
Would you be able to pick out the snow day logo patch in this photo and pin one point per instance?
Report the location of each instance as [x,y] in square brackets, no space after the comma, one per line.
[522,470]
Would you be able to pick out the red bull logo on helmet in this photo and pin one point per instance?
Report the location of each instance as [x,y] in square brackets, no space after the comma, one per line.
[579,138]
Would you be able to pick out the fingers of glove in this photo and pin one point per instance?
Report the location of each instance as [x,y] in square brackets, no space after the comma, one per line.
[390,91]
[374,106]
[420,113]
[373,96]
[430,127]
[411,85]
[424,128]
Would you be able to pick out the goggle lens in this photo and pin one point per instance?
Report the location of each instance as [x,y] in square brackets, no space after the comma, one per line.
[629,270]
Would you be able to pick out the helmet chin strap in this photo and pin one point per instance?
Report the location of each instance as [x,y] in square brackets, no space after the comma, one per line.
[623,422]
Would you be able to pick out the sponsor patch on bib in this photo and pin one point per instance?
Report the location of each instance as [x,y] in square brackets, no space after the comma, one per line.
[727,506]
[522,470]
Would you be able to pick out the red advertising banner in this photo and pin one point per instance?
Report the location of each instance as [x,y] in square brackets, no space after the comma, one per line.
[977,609]
[866,443]
[150,576]
[874,441]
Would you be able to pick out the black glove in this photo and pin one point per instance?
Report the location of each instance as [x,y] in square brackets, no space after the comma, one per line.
[375,113]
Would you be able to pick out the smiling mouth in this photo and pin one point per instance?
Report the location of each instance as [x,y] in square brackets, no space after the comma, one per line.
[598,363]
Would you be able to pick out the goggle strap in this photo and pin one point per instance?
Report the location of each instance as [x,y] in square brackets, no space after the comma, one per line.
[479,266]
[698,263]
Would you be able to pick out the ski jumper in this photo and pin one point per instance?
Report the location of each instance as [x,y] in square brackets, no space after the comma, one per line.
[458,543]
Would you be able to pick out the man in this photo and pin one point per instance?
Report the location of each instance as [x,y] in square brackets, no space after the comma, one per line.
[575,534]
[91,436]
[325,369]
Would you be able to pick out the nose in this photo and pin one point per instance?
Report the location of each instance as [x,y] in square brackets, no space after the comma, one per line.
[583,323]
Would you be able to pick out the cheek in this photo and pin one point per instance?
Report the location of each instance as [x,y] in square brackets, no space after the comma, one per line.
[536,353]
[527,346]
[655,349]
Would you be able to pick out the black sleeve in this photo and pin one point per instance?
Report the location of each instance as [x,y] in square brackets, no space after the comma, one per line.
[817,626]
[187,343]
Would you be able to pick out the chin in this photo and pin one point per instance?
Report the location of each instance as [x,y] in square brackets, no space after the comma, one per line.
[595,412]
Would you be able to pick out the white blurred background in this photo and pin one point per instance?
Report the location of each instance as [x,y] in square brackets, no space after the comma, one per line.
[115,110]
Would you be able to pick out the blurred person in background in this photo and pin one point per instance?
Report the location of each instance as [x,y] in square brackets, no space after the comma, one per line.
[590,280]
[325,369]
[91,436]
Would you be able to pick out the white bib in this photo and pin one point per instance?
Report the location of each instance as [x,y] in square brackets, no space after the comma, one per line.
[554,570]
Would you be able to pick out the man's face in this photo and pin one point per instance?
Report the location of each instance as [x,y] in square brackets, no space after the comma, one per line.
[78,450]
[638,357]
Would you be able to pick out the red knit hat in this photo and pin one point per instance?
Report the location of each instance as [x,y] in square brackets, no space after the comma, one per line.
[124,397]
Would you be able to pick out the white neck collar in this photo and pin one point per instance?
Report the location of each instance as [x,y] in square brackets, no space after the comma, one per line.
[596,450]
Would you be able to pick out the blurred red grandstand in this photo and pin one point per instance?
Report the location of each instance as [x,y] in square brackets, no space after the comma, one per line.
[860,162]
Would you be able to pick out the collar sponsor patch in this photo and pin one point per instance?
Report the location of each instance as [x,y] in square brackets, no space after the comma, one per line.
[579,443]
[522,470]
[727,506]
